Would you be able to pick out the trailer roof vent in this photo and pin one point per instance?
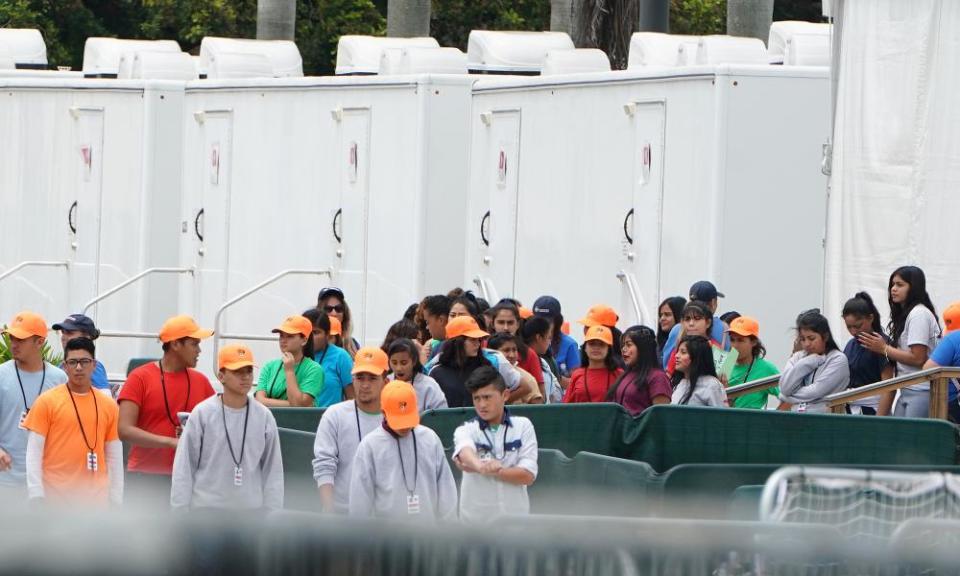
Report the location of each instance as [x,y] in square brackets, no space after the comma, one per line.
[731,50]
[101,56]
[658,49]
[362,54]
[781,33]
[25,47]
[575,61]
[412,60]
[144,65]
[283,56]
[513,52]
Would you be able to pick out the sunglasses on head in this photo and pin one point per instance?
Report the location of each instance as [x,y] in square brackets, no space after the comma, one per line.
[333,308]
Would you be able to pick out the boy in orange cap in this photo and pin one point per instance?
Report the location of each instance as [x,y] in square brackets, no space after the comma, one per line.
[150,400]
[22,380]
[229,454]
[400,470]
[344,425]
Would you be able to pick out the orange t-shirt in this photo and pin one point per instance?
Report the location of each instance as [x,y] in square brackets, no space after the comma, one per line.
[65,473]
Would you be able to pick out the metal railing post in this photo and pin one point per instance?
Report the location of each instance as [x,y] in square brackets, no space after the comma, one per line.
[131,280]
[33,263]
[639,306]
[245,294]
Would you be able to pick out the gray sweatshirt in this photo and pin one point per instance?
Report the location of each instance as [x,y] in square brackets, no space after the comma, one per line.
[204,471]
[429,394]
[808,378]
[338,435]
[378,487]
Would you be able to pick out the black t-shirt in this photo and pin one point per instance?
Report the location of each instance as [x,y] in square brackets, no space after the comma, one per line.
[451,381]
[866,367]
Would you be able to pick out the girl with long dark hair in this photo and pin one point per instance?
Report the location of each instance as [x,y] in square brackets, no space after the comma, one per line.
[861,316]
[598,370]
[695,379]
[644,383]
[817,370]
[669,314]
[404,358]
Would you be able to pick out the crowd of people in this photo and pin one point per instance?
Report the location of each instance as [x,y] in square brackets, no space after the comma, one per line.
[62,427]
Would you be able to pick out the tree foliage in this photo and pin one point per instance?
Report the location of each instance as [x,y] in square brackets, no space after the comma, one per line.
[452,20]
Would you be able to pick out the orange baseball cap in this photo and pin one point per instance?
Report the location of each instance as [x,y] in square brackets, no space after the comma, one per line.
[26,324]
[371,360]
[745,326]
[464,326]
[565,328]
[601,333]
[182,327]
[296,325]
[951,317]
[234,357]
[398,400]
[600,315]
[336,328]
[525,312]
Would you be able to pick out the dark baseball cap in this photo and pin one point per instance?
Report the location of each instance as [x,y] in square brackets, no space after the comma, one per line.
[704,291]
[331,291]
[546,306]
[78,323]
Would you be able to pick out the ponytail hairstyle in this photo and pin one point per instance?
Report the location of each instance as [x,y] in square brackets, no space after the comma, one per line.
[816,322]
[861,306]
[533,327]
[647,359]
[701,364]
[917,281]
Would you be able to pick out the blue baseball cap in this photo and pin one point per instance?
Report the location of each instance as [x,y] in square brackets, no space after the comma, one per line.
[546,306]
[78,323]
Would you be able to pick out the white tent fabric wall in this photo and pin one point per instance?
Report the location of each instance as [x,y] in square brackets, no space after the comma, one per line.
[895,172]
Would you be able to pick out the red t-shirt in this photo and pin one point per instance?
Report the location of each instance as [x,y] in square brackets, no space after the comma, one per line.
[531,363]
[143,387]
[590,384]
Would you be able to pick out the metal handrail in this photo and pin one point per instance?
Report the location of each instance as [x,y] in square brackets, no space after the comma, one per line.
[639,306]
[246,293]
[753,386]
[129,281]
[483,288]
[938,378]
[29,263]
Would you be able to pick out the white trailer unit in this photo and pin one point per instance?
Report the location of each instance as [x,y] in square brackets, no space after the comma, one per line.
[627,187]
[85,170]
[355,182]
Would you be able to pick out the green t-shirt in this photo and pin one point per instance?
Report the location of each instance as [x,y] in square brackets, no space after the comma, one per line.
[273,381]
[761,369]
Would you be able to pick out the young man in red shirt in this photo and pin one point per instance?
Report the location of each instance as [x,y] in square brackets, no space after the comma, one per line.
[149,402]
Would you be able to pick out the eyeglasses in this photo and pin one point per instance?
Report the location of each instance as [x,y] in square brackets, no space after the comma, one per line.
[333,308]
[82,362]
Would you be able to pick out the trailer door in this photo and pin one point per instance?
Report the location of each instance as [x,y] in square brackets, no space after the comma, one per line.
[498,227]
[85,215]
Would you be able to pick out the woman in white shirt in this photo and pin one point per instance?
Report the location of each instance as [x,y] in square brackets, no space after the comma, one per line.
[915,331]
[695,377]
[816,371]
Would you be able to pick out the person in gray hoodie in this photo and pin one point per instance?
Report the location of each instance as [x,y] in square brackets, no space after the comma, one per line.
[817,370]
[229,453]
[400,470]
[344,425]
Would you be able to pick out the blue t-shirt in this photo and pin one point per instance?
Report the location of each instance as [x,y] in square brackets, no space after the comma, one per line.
[947,353]
[13,439]
[716,332]
[567,355]
[337,368]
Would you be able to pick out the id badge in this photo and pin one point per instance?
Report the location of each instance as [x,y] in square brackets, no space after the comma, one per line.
[23,419]
[238,476]
[92,462]
[413,504]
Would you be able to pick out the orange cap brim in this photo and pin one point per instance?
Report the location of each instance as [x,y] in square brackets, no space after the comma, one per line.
[368,368]
[599,339]
[589,322]
[743,333]
[236,365]
[201,334]
[475,334]
[290,331]
[19,333]
[402,421]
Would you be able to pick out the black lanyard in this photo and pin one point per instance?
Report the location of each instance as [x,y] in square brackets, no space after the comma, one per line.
[324,355]
[23,393]
[416,467]
[746,377]
[277,375]
[226,431]
[96,411]
[503,447]
[586,382]
[166,401]
[356,412]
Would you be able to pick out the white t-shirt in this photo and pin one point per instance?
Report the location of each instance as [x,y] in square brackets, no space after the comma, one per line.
[921,328]
[709,392]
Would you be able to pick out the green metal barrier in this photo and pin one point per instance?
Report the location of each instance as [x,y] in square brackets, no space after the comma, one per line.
[300,489]
[303,419]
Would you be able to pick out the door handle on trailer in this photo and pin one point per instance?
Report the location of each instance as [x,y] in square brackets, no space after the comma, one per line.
[483,223]
[196,225]
[70,215]
[626,231]
[336,221]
